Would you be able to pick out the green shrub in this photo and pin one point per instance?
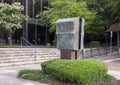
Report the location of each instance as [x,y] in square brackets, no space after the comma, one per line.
[94,44]
[36,75]
[77,71]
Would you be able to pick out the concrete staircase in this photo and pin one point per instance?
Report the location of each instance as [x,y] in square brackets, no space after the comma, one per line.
[23,56]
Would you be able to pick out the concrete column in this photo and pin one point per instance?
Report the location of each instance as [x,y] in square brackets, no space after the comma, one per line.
[2,1]
[41,1]
[118,41]
[12,1]
[25,26]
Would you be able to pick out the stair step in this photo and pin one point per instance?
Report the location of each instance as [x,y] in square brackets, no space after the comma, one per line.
[23,56]
[21,52]
[24,62]
[20,63]
[25,59]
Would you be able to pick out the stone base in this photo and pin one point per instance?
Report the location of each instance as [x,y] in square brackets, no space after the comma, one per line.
[68,54]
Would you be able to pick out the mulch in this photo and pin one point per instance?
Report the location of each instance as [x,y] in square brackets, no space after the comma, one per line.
[118,82]
[98,83]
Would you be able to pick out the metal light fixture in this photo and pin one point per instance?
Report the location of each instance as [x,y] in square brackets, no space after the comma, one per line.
[111,35]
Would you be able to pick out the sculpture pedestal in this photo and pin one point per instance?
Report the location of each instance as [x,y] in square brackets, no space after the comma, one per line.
[68,54]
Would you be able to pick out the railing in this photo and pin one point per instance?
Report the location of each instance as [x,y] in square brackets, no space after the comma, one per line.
[28,43]
[98,51]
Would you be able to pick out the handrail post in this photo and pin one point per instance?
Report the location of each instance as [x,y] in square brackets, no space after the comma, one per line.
[29,44]
[35,54]
[21,42]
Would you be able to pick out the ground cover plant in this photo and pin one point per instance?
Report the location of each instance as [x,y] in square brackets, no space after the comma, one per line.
[76,72]
[10,46]
[35,75]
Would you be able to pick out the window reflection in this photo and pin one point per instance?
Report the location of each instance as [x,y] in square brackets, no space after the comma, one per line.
[34,6]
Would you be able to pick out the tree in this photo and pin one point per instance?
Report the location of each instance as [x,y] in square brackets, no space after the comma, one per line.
[97,28]
[112,11]
[98,14]
[66,9]
[11,18]
[108,13]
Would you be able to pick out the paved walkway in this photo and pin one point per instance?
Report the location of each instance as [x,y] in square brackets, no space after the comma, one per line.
[116,74]
[113,63]
[8,75]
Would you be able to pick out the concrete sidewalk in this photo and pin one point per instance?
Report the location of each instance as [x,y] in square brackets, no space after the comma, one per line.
[113,63]
[116,74]
[8,75]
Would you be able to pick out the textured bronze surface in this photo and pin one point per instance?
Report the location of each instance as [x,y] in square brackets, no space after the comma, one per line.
[68,33]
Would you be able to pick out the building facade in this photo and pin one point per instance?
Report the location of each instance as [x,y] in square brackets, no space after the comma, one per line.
[31,30]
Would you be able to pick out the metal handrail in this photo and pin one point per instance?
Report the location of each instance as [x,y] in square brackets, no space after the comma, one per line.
[22,38]
[98,51]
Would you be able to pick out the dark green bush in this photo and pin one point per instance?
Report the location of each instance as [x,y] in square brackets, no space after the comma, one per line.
[77,71]
[94,44]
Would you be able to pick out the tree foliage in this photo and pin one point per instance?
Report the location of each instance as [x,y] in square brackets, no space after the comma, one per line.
[11,17]
[66,9]
[98,14]
[112,11]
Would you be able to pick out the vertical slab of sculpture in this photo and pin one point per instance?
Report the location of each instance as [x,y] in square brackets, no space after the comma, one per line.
[70,35]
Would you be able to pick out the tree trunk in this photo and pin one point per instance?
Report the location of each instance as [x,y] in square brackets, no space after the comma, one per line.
[92,38]
[10,38]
